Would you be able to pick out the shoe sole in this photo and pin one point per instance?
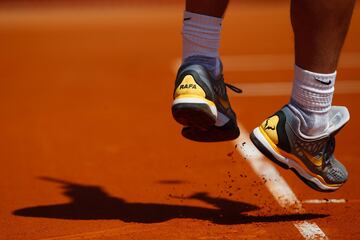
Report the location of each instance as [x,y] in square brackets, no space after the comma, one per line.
[227,132]
[194,112]
[265,147]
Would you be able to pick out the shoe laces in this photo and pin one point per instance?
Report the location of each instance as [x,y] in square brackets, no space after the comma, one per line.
[223,83]
[233,88]
[329,150]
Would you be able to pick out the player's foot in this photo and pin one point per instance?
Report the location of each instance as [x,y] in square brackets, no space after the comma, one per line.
[201,104]
[310,157]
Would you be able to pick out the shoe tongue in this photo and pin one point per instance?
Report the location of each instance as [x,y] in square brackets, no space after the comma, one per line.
[218,68]
[338,117]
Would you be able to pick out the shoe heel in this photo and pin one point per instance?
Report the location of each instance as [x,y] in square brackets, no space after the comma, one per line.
[194,111]
[264,150]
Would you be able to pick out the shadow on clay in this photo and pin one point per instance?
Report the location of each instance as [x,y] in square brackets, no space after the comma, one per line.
[93,203]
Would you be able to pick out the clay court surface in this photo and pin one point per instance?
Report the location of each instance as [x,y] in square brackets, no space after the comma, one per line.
[89,149]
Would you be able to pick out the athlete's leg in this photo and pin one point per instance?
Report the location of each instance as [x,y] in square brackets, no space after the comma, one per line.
[301,135]
[320,28]
[200,100]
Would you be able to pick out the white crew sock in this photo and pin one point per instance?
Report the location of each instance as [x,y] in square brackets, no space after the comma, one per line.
[201,37]
[312,95]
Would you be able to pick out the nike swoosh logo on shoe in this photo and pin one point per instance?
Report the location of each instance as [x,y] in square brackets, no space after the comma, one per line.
[316,160]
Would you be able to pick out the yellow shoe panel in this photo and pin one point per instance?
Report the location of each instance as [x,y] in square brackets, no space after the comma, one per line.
[188,86]
[269,127]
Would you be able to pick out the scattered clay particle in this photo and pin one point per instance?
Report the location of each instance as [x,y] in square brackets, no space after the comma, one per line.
[243,143]
[230,154]
[230,194]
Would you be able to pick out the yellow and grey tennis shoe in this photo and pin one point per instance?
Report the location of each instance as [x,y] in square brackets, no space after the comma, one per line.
[310,157]
[201,104]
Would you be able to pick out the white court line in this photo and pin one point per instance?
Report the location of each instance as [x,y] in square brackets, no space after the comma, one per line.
[310,230]
[284,88]
[273,62]
[276,185]
[319,201]
[280,62]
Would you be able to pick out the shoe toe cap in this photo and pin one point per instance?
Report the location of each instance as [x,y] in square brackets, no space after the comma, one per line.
[337,174]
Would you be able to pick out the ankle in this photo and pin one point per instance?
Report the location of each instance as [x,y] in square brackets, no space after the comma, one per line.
[311,99]
[212,64]
[311,123]
[313,92]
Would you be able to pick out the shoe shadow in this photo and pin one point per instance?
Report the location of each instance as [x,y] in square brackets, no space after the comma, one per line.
[93,203]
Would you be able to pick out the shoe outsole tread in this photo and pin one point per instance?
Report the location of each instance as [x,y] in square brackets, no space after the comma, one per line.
[227,132]
[194,115]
